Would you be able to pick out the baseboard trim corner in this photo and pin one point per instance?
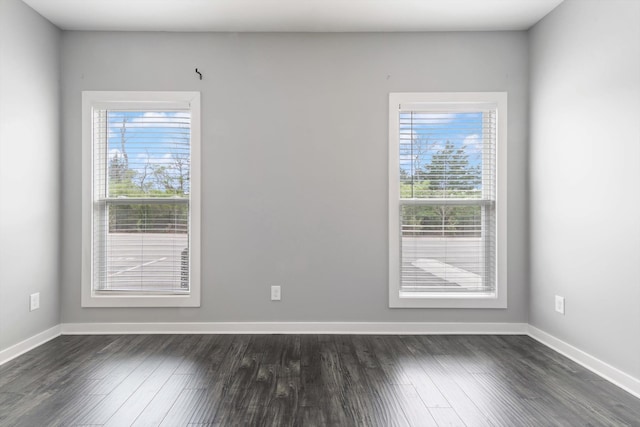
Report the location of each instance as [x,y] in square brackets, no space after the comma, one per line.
[365,328]
[30,343]
[595,365]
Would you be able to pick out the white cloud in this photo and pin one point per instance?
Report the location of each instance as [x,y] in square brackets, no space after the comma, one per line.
[473,143]
[155,118]
[436,146]
[423,118]
[158,119]
[442,117]
[407,134]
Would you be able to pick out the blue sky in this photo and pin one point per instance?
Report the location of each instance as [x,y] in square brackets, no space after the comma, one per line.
[423,134]
[154,132]
[152,139]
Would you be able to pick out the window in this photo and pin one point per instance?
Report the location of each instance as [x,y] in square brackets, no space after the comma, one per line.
[447,200]
[141,199]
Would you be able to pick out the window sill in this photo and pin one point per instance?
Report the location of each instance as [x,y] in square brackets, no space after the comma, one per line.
[117,301]
[461,300]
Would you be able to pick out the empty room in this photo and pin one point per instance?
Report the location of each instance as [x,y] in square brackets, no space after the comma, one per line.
[319,213]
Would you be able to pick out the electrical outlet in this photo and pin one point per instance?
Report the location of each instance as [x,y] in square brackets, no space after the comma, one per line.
[275,293]
[34,301]
[560,304]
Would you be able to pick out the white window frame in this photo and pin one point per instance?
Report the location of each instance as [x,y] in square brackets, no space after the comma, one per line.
[142,101]
[453,101]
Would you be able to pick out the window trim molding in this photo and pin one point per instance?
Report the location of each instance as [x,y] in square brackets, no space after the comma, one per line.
[426,99]
[133,100]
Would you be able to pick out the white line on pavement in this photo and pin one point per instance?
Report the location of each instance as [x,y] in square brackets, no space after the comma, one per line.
[138,266]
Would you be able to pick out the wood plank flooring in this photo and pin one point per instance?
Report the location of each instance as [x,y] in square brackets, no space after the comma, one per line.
[305,380]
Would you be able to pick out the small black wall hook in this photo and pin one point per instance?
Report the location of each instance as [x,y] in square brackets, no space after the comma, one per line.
[199,73]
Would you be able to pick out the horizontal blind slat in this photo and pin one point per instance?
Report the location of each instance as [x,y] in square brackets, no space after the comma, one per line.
[141,210]
[447,200]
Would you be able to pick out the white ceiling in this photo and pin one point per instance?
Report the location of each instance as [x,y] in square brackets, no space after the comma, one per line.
[294,15]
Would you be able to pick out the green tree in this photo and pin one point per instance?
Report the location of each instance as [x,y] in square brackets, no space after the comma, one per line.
[153,180]
[448,174]
[121,178]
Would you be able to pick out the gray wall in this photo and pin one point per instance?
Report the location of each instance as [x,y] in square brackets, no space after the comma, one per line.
[585,177]
[29,171]
[295,162]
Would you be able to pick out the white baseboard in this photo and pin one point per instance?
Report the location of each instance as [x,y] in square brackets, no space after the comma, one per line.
[29,344]
[595,365]
[365,328]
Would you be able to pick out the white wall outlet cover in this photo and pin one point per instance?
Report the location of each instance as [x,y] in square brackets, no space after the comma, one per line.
[560,304]
[34,301]
[275,293]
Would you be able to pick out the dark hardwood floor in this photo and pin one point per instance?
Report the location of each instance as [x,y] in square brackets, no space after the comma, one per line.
[305,380]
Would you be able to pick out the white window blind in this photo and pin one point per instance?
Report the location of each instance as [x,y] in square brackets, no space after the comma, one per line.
[443,198]
[447,200]
[141,200]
